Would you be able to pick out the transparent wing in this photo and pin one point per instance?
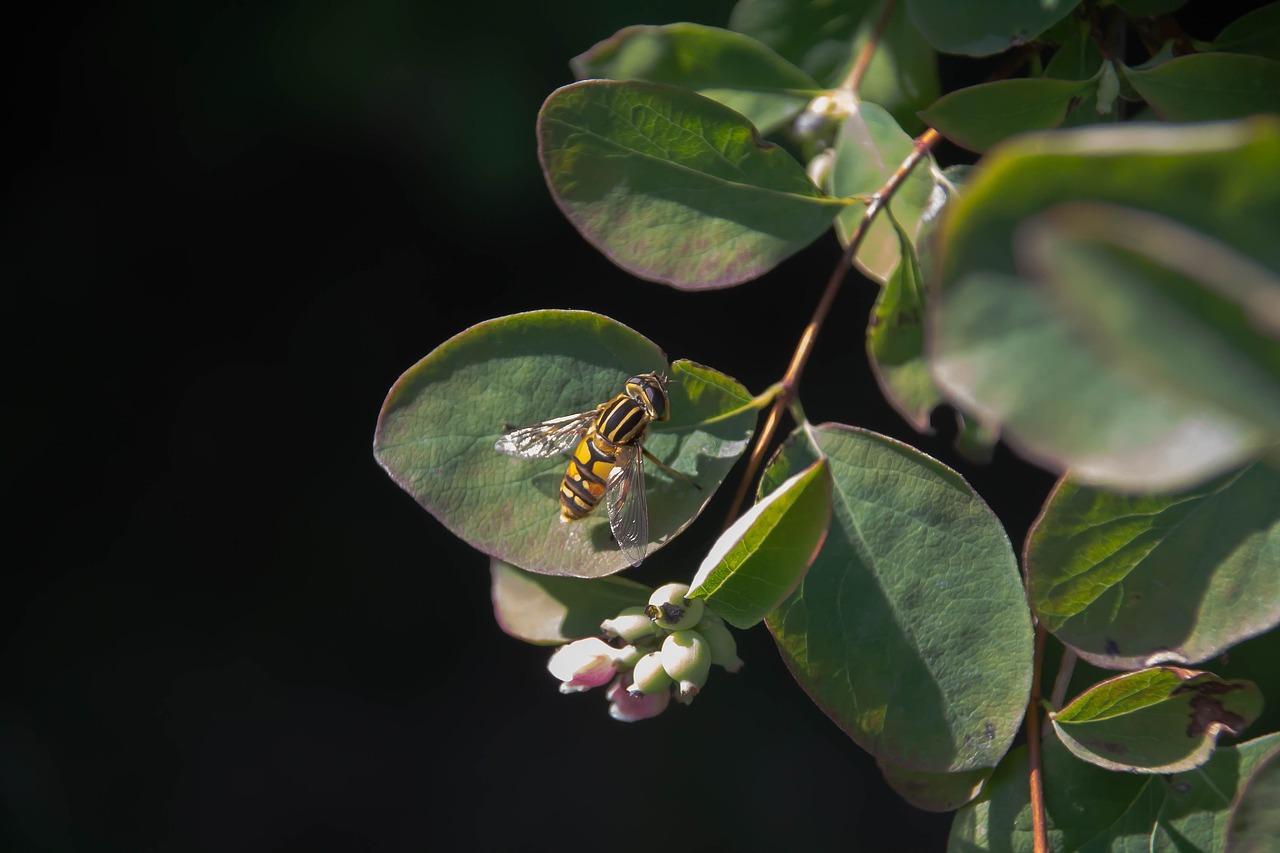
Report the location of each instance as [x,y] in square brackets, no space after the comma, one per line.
[628,510]
[549,438]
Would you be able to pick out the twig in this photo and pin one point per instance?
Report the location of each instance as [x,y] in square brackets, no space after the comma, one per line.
[1040,836]
[791,378]
[854,78]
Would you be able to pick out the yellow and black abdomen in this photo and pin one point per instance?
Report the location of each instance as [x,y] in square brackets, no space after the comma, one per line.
[621,421]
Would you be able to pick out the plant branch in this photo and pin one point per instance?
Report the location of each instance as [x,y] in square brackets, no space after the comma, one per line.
[1040,837]
[854,78]
[800,357]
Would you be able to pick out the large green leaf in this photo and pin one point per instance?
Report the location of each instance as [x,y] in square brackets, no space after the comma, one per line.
[728,67]
[758,561]
[675,187]
[1091,810]
[1159,720]
[935,792]
[1015,336]
[1176,577]
[1209,86]
[436,435]
[910,629]
[548,610]
[870,148]
[984,27]
[825,39]
[1256,33]
[977,117]
[1255,814]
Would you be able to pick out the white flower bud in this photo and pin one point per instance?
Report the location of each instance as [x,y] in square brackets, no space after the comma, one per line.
[584,664]
[686,657]
[631,624]
[629,707]
[724,648]
[670,609]
[649,676]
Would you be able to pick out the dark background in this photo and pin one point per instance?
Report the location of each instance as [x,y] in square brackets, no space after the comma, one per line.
[228,229]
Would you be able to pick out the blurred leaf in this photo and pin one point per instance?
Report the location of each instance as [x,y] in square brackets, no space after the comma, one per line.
[548,610]
[1068,393]
[1080,58]
[979,116]
[1176,578]
[1256,33]
[1209,86]
[728,67]
[1159,720]
[674,187]
[935,792]
[1254,824]
[910,629]
[869,150]
[758,561]
[984,27]
[1091,810]
[436,435]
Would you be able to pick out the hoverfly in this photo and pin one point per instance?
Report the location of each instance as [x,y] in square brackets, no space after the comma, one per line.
[608,458]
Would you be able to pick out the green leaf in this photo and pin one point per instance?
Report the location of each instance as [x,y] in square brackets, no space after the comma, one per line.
[1092,810]
[758,561]
[910,629]
[728,67]
[1017,339]
[980,116]
[674,187]
[1256,33]
[1159,720]
[1255,815]
[547,610]
[984,27]
[1209,86]
[869,150]
[1177,577]
[935,792]
[436,434]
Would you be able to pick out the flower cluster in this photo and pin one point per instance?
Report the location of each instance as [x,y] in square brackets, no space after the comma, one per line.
[649,655]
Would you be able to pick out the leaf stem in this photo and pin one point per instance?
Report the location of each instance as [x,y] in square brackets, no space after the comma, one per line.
[791,379]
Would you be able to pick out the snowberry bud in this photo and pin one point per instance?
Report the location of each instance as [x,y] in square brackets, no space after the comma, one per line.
[724,648]
[629,707]
[649,676]
[631,624]
[584,664]
[669,609]
[686,657]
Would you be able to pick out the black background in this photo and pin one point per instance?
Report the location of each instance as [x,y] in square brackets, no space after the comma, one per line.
[228,229]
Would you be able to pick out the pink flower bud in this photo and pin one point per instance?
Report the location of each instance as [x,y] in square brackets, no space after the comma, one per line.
[629,709]
[584,664]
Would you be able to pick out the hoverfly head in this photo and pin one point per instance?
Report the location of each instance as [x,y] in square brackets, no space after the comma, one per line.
[649,390]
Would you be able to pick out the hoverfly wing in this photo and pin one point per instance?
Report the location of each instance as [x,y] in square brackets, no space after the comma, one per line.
[628,509]
[549,438]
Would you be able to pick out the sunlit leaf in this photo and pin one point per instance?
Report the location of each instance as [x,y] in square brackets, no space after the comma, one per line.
[1091,810]
[758,561]
[1256,32]
[728,67]
[436,435]
[984,27]
[870,148]
[1158,720]
[1017,342]
[1209,86]
[1255,815]
[550,610]
[910,629]
[935,792]
[977,117]
[675,187]
[1177,577]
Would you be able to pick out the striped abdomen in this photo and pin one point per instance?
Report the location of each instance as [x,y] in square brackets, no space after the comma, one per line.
[620,422]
